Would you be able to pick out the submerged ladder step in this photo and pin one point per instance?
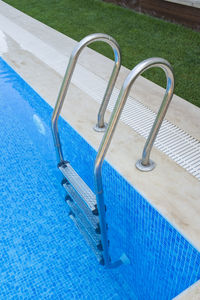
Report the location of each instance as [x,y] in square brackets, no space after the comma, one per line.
[80,188]
[88,238]
[93,219]
[82,203]
[93,232]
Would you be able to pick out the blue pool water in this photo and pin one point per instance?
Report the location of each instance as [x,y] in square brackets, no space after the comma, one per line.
[42,255]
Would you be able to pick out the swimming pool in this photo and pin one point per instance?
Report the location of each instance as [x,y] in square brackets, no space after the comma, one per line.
[43,255]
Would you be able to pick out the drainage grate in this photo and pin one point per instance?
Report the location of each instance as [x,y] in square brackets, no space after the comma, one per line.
[171,140]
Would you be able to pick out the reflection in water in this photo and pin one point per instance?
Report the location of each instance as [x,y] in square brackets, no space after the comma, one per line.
[39,124]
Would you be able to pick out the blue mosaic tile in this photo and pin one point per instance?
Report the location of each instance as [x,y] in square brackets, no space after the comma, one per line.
[43,256]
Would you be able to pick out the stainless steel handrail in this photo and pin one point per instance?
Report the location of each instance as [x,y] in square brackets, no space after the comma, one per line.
[105,143]
[145,163]
[67,79]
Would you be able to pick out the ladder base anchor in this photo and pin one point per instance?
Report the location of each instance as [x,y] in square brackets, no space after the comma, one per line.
[124,260]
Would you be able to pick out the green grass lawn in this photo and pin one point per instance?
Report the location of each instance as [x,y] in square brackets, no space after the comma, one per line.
[138,35]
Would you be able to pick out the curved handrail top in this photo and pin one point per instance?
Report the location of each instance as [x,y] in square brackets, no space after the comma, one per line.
[68,75]
[76,52]
[144,66]
[95,37]
[123,95]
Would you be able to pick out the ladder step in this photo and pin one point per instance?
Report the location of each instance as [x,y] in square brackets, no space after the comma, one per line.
[79,186]
[84,221]
[94,220]
[88,238]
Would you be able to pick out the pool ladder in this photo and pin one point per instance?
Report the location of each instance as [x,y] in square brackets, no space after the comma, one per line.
[87,209]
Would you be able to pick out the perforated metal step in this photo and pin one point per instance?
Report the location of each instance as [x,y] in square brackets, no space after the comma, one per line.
[81,203]
[84,213]
[94,232]
[87,237]
[78,187]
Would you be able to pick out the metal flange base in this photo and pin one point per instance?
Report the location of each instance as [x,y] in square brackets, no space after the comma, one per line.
[100,129]
[144,168]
